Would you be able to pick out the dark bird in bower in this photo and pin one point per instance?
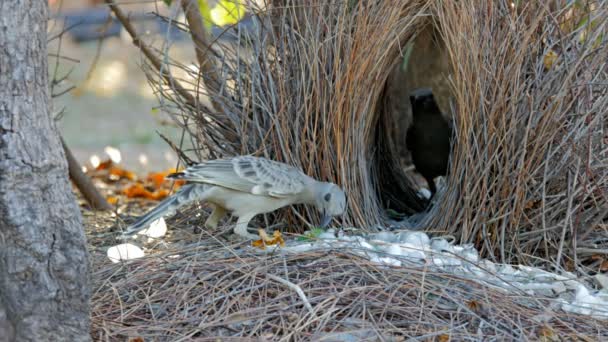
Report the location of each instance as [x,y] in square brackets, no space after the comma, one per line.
[429,137]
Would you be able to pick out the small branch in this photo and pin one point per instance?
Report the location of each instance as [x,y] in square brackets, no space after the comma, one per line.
[294,287]
[182,156]
[199,35]
[83,182]
[173,83]
[202,47]
[201,40]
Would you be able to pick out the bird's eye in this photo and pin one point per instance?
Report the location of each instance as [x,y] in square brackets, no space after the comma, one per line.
[327,197]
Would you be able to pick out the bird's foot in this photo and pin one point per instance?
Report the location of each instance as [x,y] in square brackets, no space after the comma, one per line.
[244,232]
[215,217]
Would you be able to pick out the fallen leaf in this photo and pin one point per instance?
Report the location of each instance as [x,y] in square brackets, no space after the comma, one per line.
[266,240]
[443,338]
[117,173]
[474,305]
[104,165]
[549,59]
[603,261]
[545,333]
[137,190]
[258,244]
[158,178]
[112,200]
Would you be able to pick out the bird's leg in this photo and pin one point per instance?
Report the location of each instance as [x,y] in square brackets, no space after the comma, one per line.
[241,227]
[215,217]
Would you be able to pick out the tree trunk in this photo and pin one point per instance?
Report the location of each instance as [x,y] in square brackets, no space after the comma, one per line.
[44,282]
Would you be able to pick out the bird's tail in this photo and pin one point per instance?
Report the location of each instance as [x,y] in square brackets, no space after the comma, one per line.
[186,194]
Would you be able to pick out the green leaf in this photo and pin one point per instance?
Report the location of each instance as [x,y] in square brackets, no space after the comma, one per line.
[312,234]
[167,2]
[228,12]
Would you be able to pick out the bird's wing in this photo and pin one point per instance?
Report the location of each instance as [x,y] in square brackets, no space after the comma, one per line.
[258,176]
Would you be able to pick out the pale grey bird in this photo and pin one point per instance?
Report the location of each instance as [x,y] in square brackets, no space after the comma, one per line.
[246,186]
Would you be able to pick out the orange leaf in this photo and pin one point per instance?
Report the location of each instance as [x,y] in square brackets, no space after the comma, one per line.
[117,173]
[112,200]
[474,305]
[259,244]
[266,240]
[104,165]
[443,338]
[160,194]
[138,190]
[158,178]
[549,59]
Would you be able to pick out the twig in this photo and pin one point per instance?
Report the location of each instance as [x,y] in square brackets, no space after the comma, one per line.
[83,182]
[180,153]
[294,287]
[174,84]
[201,40]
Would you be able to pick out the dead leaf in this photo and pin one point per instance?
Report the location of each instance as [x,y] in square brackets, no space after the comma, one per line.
[531,204]
[602,260]
[159,178]
[545,333]
[156,178]
[474,305]
[112,200]
[549,59]
[137,190]
[104,165]
[117,173]
[443,338]
[266,240]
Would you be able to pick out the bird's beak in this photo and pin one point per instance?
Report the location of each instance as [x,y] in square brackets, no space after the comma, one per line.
[325,220]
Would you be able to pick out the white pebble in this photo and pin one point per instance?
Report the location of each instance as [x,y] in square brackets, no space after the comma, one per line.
[125,251]
[157,229]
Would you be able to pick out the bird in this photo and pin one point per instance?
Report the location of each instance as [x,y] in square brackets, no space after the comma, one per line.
[429,137]
[246,186]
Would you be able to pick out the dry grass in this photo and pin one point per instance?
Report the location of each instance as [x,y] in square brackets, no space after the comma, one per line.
[529,178]
[211,289]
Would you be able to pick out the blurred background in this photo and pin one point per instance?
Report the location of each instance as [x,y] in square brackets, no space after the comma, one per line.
[101,98]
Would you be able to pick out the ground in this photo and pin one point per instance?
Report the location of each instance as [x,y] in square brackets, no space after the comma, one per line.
[200,284]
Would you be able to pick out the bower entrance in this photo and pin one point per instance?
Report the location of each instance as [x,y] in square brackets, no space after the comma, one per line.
[423,63]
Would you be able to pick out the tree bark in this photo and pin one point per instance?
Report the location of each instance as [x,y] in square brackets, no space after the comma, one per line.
[44,282]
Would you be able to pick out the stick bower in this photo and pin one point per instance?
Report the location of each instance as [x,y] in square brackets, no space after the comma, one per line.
[528,175]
